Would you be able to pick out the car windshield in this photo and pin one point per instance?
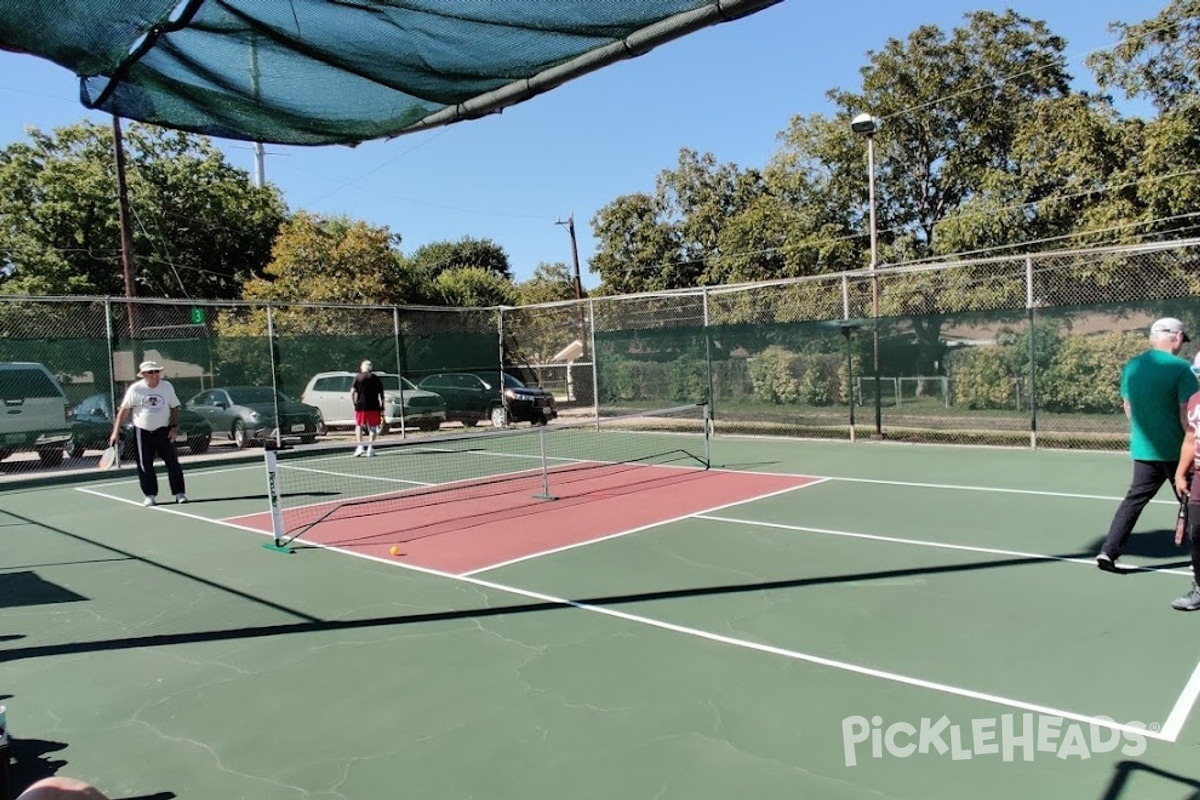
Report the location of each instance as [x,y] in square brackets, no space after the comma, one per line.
[251,395]
[512,383]
[394,383]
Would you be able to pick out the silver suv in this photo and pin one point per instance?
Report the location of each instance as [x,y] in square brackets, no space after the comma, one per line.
[330,392]
[36,415]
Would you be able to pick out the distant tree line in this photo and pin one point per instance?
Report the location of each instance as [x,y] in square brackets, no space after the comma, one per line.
[984,147]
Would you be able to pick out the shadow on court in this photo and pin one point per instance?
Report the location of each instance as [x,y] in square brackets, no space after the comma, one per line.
[1133,779]
[313,625]
[1156,544]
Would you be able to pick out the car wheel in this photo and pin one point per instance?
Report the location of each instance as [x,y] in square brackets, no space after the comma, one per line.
[430,426]
[240,438]
[74,448]
[199,444]
[499,416]
[51,456]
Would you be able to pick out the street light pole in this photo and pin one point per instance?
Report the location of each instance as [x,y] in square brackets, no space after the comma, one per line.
[866,125]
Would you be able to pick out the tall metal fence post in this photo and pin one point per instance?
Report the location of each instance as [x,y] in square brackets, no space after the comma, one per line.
[399,367]
[595,361]
[500,370]
[1033,442]
[112,355]
[708,363]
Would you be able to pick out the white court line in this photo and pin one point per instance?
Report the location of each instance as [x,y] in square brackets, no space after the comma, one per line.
[619,534]
[1183,706]
[963,487]
[1176,718]
[994,551]
[170,508]
[795,655]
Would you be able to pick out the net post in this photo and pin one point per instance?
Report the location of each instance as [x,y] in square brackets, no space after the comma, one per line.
[276,545]
[545,463]
[708,426]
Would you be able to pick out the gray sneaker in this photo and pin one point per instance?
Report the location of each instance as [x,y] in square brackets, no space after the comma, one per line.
[1189,602]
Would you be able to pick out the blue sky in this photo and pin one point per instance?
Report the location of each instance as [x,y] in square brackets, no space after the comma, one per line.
[729,90]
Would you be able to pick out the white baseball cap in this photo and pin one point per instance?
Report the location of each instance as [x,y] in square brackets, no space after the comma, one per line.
[1170,325]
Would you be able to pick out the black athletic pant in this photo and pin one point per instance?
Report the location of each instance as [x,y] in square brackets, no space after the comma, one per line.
[1148,478]
[157,443]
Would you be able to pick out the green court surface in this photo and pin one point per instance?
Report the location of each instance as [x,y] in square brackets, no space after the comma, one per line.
[920,622]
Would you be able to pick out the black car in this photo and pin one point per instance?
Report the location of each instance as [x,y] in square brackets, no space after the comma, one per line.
[472,398]
[92,421]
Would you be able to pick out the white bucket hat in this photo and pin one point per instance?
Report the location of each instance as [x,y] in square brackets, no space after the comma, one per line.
[149,366]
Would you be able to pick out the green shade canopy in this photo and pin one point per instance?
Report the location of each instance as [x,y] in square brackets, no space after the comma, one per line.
[314,72]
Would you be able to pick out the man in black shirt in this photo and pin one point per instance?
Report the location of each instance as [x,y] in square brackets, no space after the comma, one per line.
[367,396]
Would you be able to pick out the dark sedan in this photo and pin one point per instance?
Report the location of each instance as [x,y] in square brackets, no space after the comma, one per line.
[92,421]
[247,414]
[476,397]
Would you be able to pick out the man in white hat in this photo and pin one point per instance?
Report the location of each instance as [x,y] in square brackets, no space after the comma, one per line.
[1155,387]
[155,408]
[366,394]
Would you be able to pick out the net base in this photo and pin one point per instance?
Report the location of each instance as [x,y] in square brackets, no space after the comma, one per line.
[278,547]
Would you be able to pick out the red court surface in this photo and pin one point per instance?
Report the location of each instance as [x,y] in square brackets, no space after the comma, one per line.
[475,533]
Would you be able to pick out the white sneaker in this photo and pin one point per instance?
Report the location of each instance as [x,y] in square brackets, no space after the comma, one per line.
[149,501]
[370,452]
[358,451]
[181,498]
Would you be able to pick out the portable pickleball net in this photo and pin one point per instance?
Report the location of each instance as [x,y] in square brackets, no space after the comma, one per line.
[474,474]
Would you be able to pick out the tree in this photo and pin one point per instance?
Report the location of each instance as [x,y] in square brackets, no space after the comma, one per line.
[438,257]
[672,239]
[474,287]
[200,228]
[336,260]
[550,283]
[635,250]
[951,107]
[1158,58]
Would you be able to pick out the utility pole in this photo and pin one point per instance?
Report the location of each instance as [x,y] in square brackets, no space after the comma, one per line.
[570,223]
[581,322]
[126,236]
[260,167]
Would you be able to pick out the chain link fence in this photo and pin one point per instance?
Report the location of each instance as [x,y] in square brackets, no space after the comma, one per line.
[1021,351]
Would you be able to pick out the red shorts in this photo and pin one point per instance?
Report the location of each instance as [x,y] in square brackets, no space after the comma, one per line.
[369,419]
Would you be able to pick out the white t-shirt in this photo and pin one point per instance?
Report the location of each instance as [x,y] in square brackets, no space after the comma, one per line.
[151,407]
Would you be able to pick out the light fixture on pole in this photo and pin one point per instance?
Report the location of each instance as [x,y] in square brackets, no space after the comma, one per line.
[866,125]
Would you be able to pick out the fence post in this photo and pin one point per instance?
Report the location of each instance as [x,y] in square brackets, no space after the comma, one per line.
[1032,353]
[595,359]
[112,355]
[399,367]
[708,363]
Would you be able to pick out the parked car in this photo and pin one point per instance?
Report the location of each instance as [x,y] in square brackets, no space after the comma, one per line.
[472,398]
[36,413]
[246,414]
[330,392]
[92,421]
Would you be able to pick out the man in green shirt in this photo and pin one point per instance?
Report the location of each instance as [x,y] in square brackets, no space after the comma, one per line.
[1155,386]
